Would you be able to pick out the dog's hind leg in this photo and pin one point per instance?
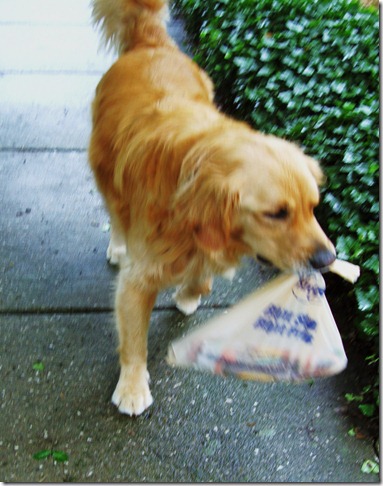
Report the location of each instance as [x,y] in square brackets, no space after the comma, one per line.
[188,296]
[117,245]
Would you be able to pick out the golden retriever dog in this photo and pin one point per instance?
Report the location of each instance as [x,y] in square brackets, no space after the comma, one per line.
[189,190]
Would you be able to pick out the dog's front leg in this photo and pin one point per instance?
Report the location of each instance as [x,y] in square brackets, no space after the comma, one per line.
[133,308]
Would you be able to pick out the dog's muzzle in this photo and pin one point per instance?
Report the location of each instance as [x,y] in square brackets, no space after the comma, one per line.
[322,259]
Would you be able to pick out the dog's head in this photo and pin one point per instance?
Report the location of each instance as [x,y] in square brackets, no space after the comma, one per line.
[256,193]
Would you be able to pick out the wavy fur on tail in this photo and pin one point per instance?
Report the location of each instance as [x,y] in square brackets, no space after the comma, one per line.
[127,24]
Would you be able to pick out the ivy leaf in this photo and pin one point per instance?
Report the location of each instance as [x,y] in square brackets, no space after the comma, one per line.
[368,410]
[285,96]
[366,298]
[59,456]
[38,366]
[370,467]
[350,397]
[43,454]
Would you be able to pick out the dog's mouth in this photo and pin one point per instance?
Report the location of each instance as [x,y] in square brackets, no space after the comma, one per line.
[264,261]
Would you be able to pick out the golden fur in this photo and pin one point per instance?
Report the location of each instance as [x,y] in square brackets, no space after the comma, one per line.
[189,190]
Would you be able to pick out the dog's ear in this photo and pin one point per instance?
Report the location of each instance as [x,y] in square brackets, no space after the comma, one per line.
[213,225]
[207,207]
[316,171]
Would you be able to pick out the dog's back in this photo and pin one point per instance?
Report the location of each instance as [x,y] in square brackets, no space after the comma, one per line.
[143,101]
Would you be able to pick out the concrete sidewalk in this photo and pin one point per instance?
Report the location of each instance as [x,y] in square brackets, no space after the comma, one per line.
[58,364]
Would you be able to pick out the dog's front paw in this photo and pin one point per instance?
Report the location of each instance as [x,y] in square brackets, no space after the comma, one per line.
[115,253]
[132,394]
[187,305]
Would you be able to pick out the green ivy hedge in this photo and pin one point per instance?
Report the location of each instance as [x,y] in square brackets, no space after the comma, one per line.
[308,71]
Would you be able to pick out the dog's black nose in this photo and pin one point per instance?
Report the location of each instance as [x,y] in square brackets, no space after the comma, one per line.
[322,258]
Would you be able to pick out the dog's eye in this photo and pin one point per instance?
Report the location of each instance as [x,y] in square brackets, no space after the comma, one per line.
[281,214]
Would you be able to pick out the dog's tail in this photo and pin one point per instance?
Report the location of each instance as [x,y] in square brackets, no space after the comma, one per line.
[127,24]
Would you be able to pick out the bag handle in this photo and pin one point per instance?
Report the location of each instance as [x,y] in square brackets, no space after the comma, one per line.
[347,270]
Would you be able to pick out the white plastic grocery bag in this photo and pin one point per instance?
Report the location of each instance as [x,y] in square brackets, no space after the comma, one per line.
[283,331]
